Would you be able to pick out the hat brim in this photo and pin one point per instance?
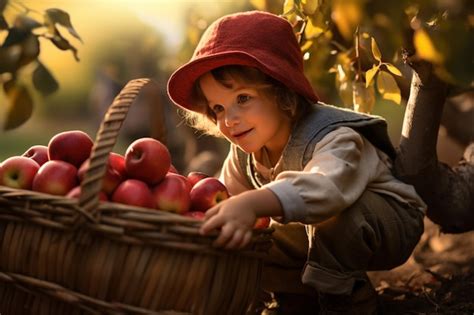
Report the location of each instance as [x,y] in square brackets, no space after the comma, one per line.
[181,82]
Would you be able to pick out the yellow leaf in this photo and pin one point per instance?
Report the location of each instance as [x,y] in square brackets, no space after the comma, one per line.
[311,30]
[369,75]
[341,74]
[363,97]
[388,88]
[307,45]
[345,93]
[347,14]
[20,105]
[258,4]
[376,50]
[425,47]
[288,6]
[393,69]
[309,6]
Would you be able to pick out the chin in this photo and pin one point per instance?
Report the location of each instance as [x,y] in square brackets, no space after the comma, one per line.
[248,149]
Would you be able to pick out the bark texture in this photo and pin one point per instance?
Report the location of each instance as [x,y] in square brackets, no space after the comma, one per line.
[448,192]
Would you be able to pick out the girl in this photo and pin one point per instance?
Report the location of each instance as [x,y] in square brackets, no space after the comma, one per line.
[322,173]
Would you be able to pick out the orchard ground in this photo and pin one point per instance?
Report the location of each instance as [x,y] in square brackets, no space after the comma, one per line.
[437,279]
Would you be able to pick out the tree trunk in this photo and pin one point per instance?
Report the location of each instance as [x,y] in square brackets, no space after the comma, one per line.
[448,192]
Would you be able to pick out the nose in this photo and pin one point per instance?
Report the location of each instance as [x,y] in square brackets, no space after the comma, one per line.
[232,116]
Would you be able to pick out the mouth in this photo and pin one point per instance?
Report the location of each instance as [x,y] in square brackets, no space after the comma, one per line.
[239,135]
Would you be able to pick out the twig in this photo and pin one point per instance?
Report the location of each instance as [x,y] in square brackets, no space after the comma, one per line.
[430,299]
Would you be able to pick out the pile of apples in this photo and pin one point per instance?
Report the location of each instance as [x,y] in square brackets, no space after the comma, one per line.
[143,177]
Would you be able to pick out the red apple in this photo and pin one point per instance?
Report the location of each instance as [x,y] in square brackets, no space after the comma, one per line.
[207,193]
[76,193]
[148,160]
[194,177]
[70,146]
[183,178]
[18,172]
[198,215]
[262,223]
[114,174]
[133,192]
[39,153]
[56,178]
[172,194]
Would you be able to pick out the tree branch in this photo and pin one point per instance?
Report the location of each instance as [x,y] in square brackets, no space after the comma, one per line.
[448,192]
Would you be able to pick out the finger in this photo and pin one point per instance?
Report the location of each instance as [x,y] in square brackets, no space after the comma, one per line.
[211,224]
[211,212]
[245,239]
[225,235]
[236,239]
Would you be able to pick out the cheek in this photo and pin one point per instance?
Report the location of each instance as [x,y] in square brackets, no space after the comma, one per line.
[222,128]
[268,116]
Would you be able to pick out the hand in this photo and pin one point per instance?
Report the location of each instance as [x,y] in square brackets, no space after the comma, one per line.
[235,217]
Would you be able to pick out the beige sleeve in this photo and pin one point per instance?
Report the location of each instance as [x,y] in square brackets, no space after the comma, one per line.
[342,165]
[231,174]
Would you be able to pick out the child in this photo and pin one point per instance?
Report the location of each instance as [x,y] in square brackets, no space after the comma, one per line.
[322,173]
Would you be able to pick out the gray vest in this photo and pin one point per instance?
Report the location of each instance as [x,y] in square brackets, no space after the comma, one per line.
[321,120]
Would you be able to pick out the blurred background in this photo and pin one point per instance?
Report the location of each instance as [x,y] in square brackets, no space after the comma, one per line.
[124,40]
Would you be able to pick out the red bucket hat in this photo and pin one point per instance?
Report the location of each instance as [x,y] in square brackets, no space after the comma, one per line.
[256,39]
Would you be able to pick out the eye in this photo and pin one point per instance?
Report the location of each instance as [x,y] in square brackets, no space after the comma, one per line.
[216,109]
[243,98]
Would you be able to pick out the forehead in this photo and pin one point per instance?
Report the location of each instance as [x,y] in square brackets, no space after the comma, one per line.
[226,80]
[209,84]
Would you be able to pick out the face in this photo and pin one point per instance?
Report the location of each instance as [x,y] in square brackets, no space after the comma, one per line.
[245,116]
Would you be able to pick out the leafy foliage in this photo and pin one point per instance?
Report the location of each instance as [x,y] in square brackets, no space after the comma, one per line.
[20,51]
[342,37]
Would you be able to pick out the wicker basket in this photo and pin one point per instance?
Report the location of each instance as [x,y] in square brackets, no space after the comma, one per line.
[62,256]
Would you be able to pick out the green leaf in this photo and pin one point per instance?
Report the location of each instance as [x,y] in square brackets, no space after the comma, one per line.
[20,105]
[62,18]
[376,50]
[369,75]
[388,88]
[393,69]
[44,81]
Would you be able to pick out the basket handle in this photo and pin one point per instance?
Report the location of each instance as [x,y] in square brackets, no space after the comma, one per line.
[103,145]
